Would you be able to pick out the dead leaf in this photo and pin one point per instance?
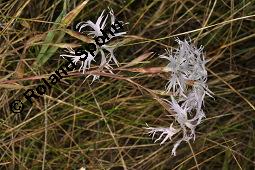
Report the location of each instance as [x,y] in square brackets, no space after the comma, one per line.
[72,14]
[11,86]
[79,36]
[138,60]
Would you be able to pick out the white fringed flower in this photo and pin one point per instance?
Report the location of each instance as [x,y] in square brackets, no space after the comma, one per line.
[100,24]
[186,64]
[85,59]
[104,52]
[177,67]
[96,31]
[168,132]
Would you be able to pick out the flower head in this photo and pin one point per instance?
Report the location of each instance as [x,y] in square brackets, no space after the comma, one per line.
[105,51]
[100,25]
[186,64]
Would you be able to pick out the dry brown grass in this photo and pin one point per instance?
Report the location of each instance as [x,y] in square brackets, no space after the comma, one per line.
[100,126]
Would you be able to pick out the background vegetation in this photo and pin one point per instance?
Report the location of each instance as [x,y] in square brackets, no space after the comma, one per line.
[101,125]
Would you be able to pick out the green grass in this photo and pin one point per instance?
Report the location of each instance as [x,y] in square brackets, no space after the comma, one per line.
[101,125]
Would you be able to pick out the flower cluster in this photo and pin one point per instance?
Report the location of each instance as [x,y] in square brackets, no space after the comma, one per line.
[187,81]
[101,36]
[188,84]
